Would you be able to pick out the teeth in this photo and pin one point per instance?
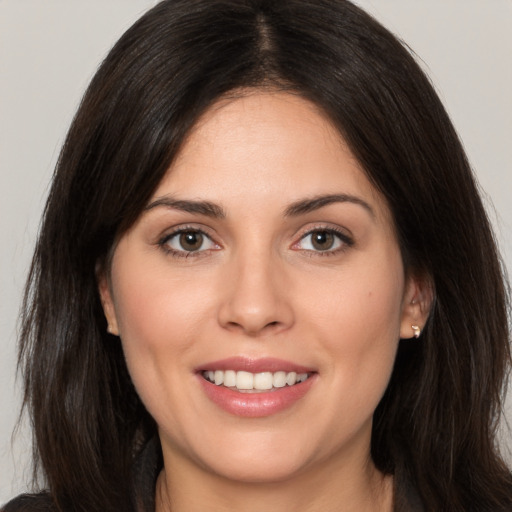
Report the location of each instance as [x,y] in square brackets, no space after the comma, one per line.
[230,379]
[279,379]
[291,378]
[218,378]
[246,381]
[263,380]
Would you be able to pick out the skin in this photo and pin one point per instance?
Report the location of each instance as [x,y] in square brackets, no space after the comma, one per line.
[258,287]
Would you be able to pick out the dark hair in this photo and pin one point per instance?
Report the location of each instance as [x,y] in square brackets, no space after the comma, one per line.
[435,426]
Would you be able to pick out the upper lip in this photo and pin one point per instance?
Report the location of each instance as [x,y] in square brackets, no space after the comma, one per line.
[254,365]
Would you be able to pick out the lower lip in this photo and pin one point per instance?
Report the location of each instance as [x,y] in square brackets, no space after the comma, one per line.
[255,405]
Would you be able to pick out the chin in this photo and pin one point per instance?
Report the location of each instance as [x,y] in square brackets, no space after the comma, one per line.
[252,457]
[258,471]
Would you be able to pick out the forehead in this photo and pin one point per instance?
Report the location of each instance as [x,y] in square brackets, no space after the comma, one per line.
[274,147]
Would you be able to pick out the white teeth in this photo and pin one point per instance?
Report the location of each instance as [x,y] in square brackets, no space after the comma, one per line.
[246,381]
[291,378]
[230,378]
[219,377]
[279,379]
[263,380]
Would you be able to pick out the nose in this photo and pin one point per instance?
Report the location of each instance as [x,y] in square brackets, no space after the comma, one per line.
[255,298]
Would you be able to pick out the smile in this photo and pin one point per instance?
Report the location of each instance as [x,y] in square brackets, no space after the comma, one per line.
[255,388]
[248,382]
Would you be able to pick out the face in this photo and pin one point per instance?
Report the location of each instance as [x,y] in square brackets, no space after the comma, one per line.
[267,263]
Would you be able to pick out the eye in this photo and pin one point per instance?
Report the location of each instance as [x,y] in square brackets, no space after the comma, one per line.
[187,241]
[323,240]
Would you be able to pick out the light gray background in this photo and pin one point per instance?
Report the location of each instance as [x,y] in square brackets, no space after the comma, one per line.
[49,50]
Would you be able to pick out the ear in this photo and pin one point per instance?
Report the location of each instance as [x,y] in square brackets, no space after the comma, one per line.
[107,302]
[416,305]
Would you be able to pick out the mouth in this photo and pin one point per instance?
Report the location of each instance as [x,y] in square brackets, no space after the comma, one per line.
[255,388]
[248,382]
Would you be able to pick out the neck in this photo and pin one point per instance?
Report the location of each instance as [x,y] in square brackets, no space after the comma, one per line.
[327,487]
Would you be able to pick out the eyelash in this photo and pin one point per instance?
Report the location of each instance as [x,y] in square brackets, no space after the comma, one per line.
[345,240]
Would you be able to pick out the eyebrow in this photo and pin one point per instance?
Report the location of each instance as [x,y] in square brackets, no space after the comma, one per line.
[190,206]
[314,203]
[300,207]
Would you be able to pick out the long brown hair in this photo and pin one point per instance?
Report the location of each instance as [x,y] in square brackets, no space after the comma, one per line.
[435,427]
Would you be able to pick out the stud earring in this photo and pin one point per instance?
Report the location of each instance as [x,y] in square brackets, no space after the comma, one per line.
[110,330]
[416,331]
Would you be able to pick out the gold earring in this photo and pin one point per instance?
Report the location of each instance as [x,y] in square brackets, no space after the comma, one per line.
[416,330]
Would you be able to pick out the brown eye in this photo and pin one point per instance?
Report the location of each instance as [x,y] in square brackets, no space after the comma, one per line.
[187,242]
[191,240]
[322,240]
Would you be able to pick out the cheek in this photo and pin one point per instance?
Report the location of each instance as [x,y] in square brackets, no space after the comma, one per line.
[359,324]
[155,309]
[157,316]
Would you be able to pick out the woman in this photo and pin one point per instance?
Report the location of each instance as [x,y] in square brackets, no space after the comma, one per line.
[265,278]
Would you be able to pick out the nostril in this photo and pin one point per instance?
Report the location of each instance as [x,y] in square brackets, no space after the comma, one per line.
[255,330]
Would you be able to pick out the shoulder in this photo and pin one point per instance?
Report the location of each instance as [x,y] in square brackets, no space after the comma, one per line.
[40,502]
